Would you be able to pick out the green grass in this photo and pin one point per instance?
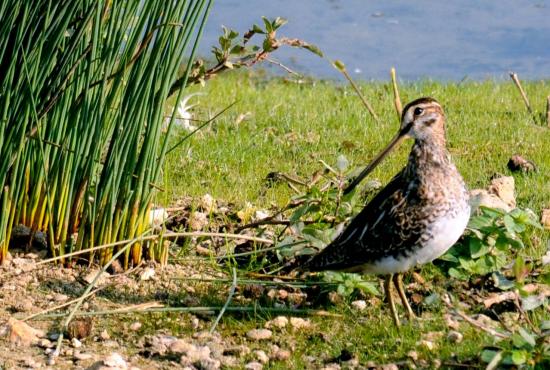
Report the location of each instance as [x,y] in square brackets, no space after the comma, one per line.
[293,126]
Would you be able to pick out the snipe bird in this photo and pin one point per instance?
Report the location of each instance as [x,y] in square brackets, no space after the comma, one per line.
[415,219]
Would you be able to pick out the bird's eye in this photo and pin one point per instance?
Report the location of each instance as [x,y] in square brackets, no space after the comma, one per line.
[418,111]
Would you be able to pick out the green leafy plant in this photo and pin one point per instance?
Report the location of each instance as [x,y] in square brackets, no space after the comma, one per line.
[348,283]
[525,349]
[491,238]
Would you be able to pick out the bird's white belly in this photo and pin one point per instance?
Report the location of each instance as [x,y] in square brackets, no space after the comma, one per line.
[446,231]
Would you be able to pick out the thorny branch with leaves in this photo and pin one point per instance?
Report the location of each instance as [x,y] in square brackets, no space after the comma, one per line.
[234,52]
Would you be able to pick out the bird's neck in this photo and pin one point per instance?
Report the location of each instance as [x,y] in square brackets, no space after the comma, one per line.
[428,156]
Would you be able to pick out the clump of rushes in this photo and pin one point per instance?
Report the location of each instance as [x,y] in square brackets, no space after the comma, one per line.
[81,105]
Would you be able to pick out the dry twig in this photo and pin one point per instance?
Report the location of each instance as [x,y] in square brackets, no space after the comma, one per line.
[396,98]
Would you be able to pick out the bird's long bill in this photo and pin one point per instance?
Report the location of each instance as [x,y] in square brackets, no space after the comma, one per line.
[396,140]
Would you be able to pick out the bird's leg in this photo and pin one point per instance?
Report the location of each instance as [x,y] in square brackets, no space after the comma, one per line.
[388,289]
[398,281]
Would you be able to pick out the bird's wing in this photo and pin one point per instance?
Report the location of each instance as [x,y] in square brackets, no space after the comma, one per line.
[377,231]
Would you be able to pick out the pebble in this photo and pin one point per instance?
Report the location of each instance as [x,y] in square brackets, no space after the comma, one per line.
[261,356]
[90,276]
[299,323]
[197,221]
[76,343]
[135,326]
[60,297]
[207,203]
[259,334]
[104,335]
[44,343]
[25,306]
[195,323]
[254,366]
[82,356]
[455,336]
[451,322]
[359,305]
[147,274]
[53,336]
[281,355]
[115,361]
[428,344]
[332,366]
[31,363]
[278,322]
[238,351]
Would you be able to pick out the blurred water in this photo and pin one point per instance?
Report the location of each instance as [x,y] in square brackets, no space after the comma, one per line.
[447,40]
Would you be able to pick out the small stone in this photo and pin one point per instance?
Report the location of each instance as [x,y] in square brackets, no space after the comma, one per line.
[454,336]
[545,221]
[282,294]
[24,306]
[332,366]
[259,334]
[253,366]
[261,356]
[451,322]
[147,274]
[60,297]
[21,333]
[428,344]
[281,355]
[481,197]
[198,221]
[135,326]
[229,362]
[50,361]
[76,343]
[115,361]
[209,364]
[359,305]
[195,323]
[157,217]
[181,346]
[104,335]
[91,275]
[207,203]
[335,298]
[413,355]
[278,322]
[82,356]
[504,188]
[238,351]
[44,343]
[31,363]
[299,323]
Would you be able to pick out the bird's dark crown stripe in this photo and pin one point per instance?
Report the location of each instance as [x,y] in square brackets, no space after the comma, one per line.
[423,100]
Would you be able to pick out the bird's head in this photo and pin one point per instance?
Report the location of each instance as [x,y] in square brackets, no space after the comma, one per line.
[422,119]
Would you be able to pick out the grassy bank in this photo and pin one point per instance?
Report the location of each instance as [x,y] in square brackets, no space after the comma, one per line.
[282,126]
[289,127]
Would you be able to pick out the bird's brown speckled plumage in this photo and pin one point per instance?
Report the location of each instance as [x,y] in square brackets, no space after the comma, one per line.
[411,220]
